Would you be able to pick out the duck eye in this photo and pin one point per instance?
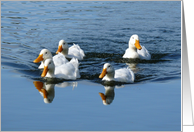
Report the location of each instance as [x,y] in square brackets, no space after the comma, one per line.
[45,52]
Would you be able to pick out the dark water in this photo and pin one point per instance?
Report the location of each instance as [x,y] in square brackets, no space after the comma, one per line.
[102,29]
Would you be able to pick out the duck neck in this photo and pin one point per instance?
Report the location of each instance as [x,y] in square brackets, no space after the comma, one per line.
[132,47]
[65,50]
[111,75]
[50,73]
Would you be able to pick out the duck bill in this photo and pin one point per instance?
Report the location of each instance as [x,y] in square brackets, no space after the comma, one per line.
[59,49]
[44,92]
[38,85]
[102,96]
[103,73]
[44,71]
[137,45]
[39,58]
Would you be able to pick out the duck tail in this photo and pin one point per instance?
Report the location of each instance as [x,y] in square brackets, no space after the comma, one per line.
[131,74]
[75,63]
[80,50]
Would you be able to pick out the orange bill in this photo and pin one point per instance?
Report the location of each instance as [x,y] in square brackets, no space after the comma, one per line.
[38,85]
[137,45]
[44,71]
[59,49]
[38,59]
[102,96]
[103,73]
[44,93]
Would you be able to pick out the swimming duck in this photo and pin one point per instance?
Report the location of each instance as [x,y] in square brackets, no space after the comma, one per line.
[135,50]
[67,71]
[119,75]
[44,54]
[70,52]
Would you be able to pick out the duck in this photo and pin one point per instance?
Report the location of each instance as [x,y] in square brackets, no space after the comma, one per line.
[135,50]
[125,75]
[70,52]
[68,71]
[44,54]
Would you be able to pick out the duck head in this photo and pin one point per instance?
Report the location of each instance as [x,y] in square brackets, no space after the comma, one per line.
[44,54]
[134,42]
[108,70]
[63,47]
[49,68]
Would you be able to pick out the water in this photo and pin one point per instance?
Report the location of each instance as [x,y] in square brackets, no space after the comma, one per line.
[102,29]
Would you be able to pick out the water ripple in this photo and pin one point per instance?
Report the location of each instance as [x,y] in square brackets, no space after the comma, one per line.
[101,30]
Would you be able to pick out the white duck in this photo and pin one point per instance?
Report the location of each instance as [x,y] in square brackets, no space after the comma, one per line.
[44,54]
[135,50]
[70,52]
[67,71]
[119,75]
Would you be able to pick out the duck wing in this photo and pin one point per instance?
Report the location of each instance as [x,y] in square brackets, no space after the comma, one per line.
[76,52]
[144,53]
[124,75]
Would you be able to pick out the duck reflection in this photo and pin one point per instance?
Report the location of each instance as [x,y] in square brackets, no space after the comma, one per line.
[47,90]
[133,67]
[109,95]
[65,84]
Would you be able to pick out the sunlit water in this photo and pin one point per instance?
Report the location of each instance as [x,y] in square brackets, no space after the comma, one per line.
[102,30]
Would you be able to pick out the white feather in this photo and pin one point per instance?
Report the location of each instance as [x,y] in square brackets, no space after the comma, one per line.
[144,54]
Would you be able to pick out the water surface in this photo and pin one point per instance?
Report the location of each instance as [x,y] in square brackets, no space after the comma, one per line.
[102,29]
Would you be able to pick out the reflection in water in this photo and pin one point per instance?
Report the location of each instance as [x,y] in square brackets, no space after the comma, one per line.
[133,67]
[65,84]
[47,89]
[109,95]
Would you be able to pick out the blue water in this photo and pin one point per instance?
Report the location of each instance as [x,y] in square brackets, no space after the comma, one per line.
[102,29]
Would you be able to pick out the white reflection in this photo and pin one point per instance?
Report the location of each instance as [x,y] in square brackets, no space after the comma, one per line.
[47,90]
[65,84]
[109,95]
[133,67]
